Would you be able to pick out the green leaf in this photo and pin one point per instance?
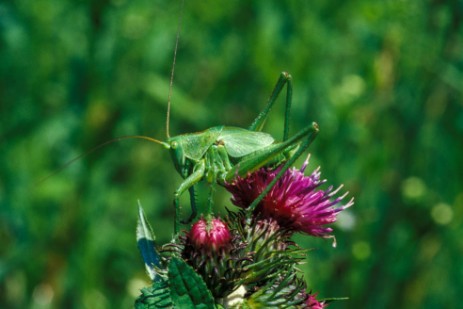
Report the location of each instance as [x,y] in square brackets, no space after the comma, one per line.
[156,296]
[145,241]
[187,288]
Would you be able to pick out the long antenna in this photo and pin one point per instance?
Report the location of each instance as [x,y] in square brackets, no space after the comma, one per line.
[166,145]
[179,27]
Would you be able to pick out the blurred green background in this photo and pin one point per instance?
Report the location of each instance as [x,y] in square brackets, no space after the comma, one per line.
[383,79]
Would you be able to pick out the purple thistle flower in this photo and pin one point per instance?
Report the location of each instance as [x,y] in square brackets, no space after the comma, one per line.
[313,303]
[294,201]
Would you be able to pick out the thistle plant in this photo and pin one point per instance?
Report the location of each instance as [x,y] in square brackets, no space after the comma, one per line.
[245,259]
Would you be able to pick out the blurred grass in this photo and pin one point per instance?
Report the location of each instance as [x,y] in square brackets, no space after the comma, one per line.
[383,79]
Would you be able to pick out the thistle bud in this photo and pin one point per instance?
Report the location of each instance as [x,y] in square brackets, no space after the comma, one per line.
[208,249]
[209,234]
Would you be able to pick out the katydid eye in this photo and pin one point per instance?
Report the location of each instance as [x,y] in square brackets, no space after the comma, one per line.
[174,145]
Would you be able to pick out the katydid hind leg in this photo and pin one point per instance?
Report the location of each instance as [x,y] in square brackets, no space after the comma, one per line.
[258,123]
[304,145]
[260,158]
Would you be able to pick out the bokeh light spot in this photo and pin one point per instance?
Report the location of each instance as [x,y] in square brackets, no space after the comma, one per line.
[413,188]
[361,250]
[442,213]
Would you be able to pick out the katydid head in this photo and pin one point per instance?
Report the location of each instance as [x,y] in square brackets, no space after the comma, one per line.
[177,153]
[188,149]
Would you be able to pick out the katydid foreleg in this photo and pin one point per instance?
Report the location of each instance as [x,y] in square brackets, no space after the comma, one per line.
[217,163]
[214,166]
[189,182]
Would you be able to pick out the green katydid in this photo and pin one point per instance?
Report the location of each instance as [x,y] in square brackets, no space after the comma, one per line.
[221,153]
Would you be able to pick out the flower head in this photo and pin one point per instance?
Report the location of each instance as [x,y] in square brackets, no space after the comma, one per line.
[313,303]
[209,248]
[209,234]
[294,201]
